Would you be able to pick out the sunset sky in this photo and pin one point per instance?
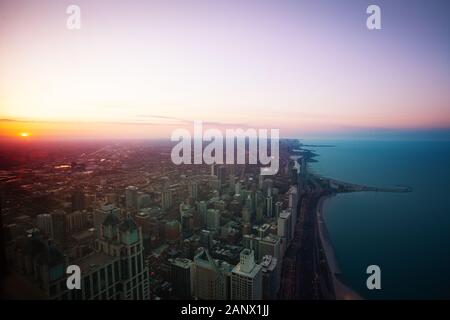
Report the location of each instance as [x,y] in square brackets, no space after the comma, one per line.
[142,68]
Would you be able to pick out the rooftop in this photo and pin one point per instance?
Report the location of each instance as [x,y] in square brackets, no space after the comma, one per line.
[182,263]
[251,274]
[93,261]
[268,263]
[285,214]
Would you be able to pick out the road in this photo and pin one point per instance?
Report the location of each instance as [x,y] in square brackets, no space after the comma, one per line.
[305,271]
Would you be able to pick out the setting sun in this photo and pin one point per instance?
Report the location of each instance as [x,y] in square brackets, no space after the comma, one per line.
[24,134]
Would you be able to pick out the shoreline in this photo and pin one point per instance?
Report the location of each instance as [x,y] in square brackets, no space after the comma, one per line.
[342,292]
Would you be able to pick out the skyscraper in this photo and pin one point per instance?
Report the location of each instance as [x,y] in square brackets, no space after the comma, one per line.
[269,245]
[193,189]
[182,277]
[202,210]
[269,207]
[211,277]
[187,224]
[260,181]
[221,174]
[213,219]
[246,278]
[284,228]
[271,274]
[144,200]
[131,197]
[293,202]
[122,240]
[206,239]
[75,221]
[59,226]
[237,188]
[100,215]
[246,215]
[44,223]
[78,200]
[115,270]
[278,208]
[166,199]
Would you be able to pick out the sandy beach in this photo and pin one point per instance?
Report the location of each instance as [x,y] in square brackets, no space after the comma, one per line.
[341,290]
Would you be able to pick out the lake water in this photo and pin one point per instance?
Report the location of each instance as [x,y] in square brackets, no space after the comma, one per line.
[407,235]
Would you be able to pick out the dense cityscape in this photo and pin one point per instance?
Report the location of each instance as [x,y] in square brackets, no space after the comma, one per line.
[140,227]
[195,152]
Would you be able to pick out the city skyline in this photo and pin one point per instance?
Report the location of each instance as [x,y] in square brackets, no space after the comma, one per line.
[141,70]
[178,151]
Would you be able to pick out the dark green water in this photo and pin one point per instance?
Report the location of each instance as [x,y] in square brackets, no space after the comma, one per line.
[407,235]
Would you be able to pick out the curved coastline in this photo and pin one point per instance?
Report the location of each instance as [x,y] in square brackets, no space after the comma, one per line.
[342,292]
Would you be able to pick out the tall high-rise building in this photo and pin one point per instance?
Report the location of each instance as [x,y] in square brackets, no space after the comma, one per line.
[278,208]
[182,277]
[284,228]
[211,277]
[122,240]
[44,266]
[250,241]
[59,226]
[260,181]
[246,215]
[185,209]
[187,224]
[259,214]
[237,188]
[271,274]
[246,278]
[143,220]
[261,246]
[75,221]
[202,209]
[263,230]
[269,207]
[213,219]
[232,183]
[193,189]
[115,270]
[78,200]
[166,199]
[271,246]
[293,197]
[172,230]
[268,186]
[44,223]
[259,199]
[100,215]
[221,174]
[143,200]
[249,206]
[206,239]
[131,197]
[293,203]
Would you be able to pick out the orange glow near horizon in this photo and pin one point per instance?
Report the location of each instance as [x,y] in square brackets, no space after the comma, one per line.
[231,70]
[37,130]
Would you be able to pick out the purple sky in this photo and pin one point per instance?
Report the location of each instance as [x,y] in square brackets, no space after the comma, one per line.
[301,66]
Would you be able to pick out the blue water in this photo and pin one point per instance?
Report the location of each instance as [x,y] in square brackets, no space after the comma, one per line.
[407,235]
